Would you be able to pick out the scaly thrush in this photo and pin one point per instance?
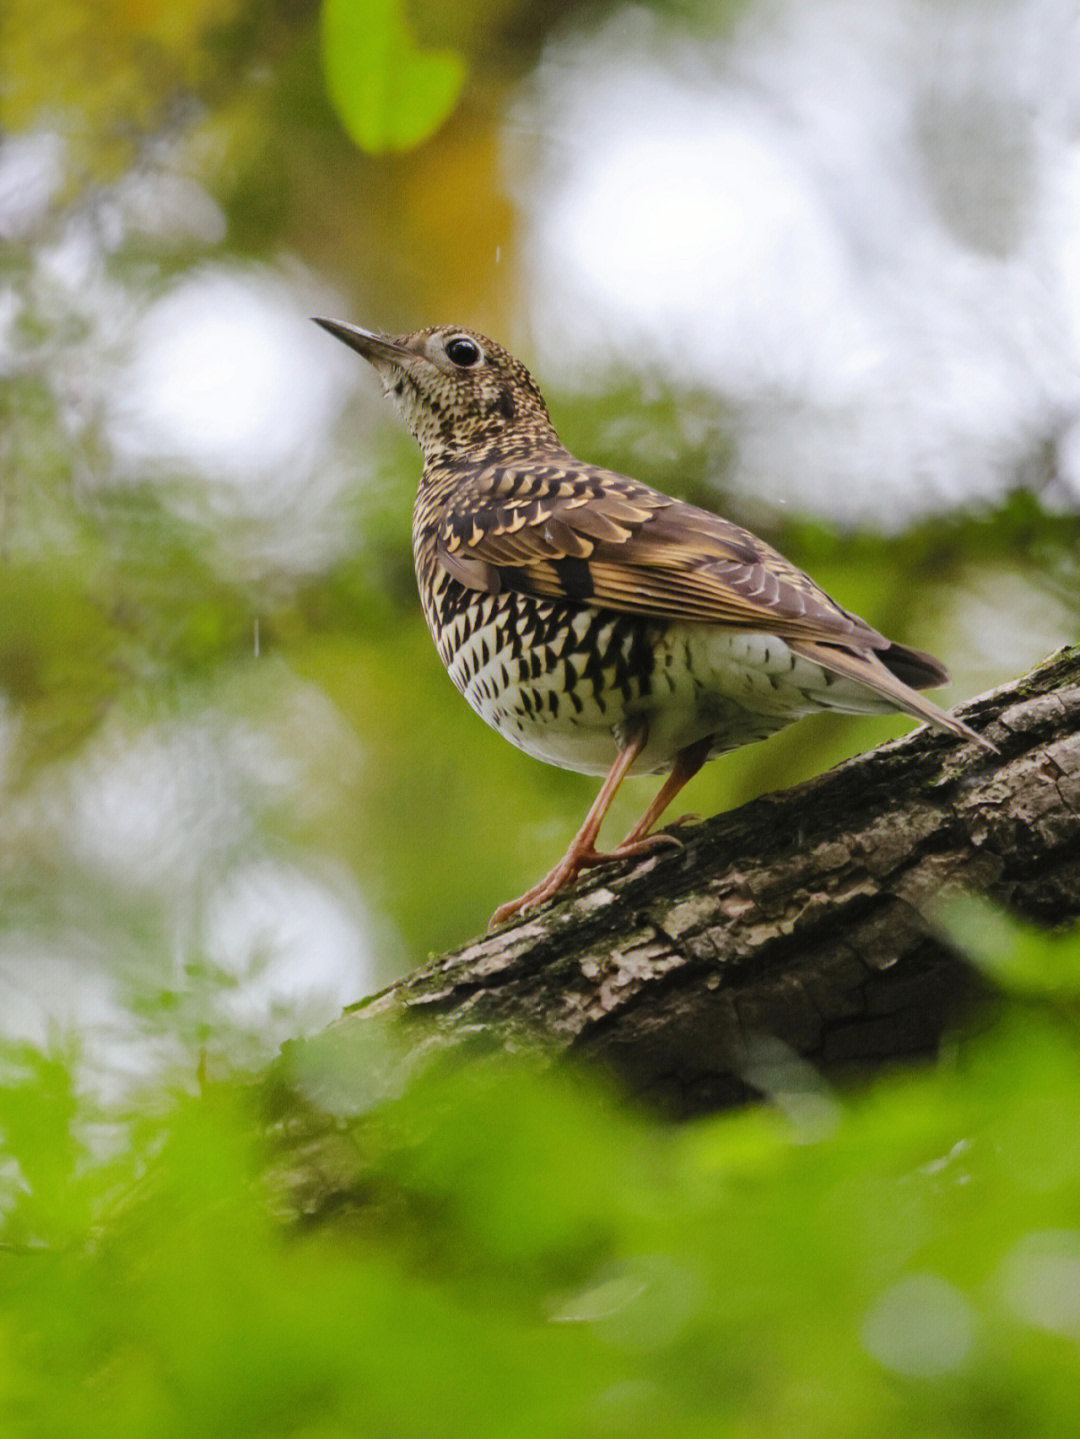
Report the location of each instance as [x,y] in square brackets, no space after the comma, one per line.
[595,622]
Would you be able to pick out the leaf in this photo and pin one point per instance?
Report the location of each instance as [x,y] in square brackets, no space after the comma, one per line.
[388,94]
[1017,957]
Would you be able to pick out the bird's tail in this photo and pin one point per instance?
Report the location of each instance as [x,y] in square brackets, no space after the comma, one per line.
[895,673]
[913,667]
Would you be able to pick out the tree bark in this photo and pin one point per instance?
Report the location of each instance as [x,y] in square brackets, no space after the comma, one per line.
[793,936]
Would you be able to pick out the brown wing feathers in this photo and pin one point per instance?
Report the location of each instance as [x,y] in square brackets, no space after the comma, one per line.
[646,553]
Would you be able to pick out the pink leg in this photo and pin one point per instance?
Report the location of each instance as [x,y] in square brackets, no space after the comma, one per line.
[687,763]
[583,853]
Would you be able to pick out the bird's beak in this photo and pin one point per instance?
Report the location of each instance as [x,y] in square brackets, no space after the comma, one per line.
[369,343]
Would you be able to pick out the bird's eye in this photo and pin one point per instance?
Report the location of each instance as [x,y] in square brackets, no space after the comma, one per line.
[462,352]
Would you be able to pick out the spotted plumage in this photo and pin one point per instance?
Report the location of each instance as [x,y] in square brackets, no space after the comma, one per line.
[595,622]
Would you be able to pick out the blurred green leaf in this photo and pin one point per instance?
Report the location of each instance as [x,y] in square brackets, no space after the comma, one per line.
[388,93]
[497,1246]
[37,1111]
[1016,956]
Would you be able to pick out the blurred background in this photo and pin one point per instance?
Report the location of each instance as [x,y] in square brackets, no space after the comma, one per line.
[814,265]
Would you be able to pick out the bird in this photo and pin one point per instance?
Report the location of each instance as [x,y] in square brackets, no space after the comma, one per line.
[594,621]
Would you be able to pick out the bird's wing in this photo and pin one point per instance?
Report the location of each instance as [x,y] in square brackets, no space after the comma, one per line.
[573,532]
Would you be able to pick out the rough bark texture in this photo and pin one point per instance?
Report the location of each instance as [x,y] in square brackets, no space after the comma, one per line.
[794,926]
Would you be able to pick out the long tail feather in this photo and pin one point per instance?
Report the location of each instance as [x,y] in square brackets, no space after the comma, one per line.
[868,669]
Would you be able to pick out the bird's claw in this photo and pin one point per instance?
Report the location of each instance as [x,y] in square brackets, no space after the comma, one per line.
[570,867]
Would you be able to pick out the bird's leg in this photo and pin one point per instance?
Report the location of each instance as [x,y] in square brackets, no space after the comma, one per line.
[582,851]
[687,763]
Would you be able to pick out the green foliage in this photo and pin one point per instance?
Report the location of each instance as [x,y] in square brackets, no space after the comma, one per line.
[1019,958]
[508,1250]
[388,93]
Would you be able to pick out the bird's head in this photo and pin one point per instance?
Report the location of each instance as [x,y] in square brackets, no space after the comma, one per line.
[458,392]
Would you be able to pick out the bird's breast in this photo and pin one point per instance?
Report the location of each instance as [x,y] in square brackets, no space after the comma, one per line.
[557,680]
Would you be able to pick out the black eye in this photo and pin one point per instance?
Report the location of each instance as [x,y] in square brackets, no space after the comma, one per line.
[463,352]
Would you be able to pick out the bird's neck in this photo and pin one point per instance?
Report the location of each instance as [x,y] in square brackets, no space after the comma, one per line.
[494,446]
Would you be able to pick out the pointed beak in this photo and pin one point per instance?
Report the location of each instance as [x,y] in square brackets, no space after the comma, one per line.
[369,343]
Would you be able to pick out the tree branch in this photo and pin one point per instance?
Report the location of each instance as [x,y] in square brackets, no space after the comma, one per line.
[794,926]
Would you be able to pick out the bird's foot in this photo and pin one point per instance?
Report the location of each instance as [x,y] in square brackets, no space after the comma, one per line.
[564,873]
[570,866]
[631,847]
